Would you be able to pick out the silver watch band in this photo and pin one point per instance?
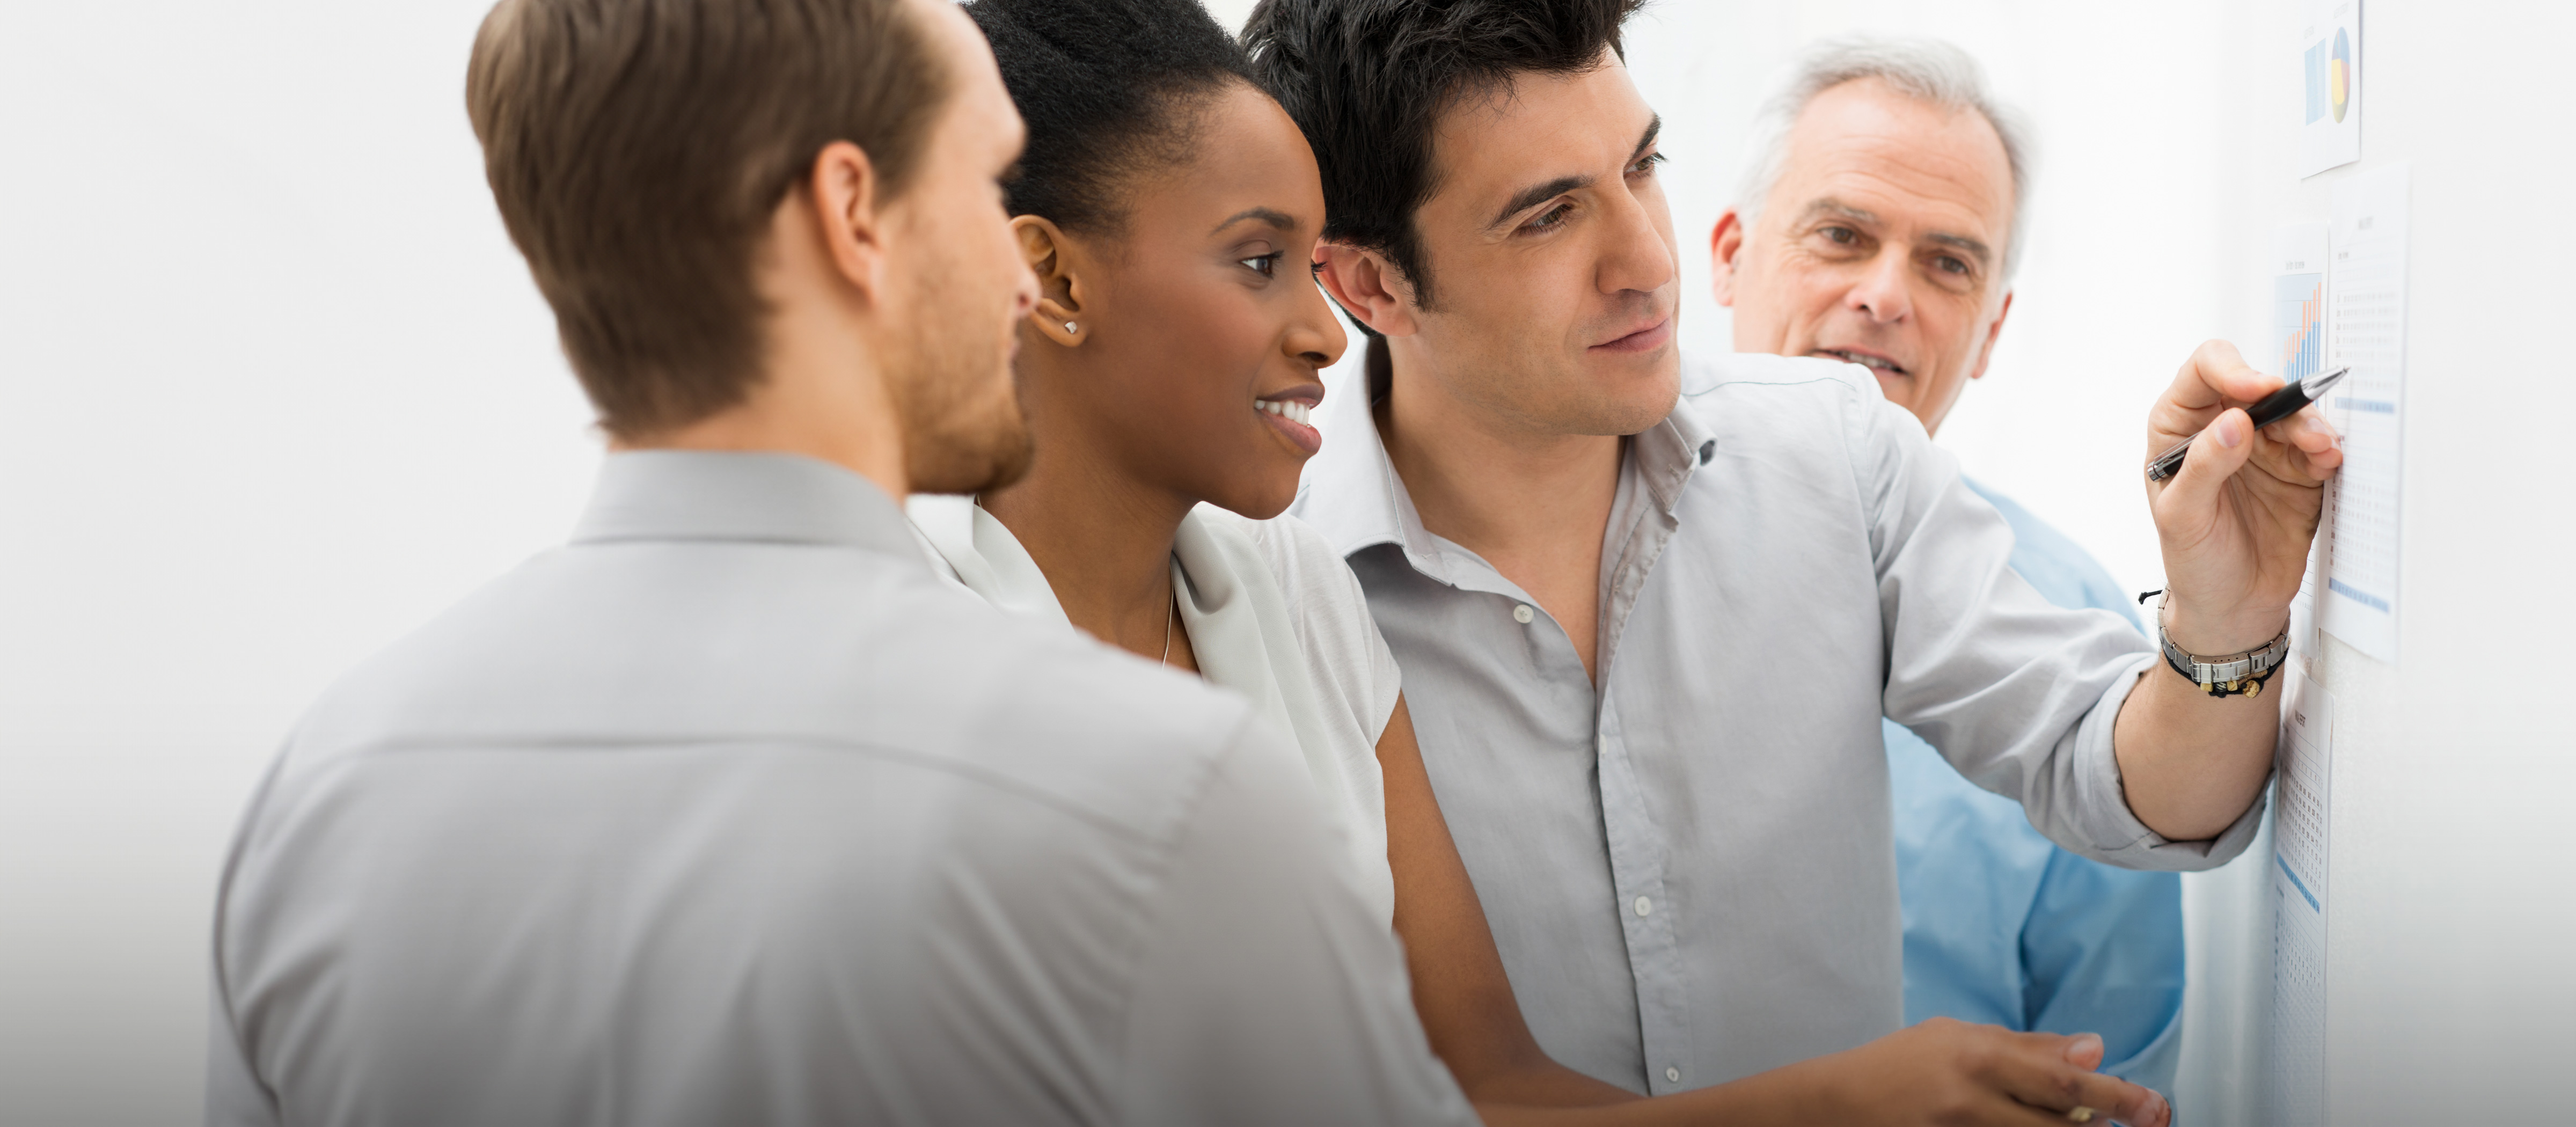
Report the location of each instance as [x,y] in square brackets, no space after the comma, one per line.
[2208,671]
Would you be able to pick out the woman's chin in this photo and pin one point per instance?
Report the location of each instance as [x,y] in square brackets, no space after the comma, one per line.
[1261,500]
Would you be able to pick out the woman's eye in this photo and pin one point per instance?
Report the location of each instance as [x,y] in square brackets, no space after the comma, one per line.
[1551,217]
[1266,264]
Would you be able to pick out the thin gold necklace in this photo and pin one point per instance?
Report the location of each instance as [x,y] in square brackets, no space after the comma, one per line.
[1170,608]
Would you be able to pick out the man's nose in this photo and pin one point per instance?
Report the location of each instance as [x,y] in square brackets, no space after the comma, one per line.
[1635,257]
[1885,290]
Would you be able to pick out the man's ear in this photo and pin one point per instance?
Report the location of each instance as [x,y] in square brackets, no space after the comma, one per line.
[1992,331]
[1060,266]
[843,189]
[1725,242]
[1367,287]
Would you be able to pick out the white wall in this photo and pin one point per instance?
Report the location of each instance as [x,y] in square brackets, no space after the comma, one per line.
[2451,915]
[274,387]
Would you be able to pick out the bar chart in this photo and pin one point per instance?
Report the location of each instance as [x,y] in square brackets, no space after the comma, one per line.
[2298,324]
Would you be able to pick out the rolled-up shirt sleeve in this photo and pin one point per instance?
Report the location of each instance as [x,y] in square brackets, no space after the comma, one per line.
[2020,695]
[1268,993]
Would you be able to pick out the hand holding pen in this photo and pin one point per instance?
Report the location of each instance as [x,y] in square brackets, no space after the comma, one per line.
[2266,411]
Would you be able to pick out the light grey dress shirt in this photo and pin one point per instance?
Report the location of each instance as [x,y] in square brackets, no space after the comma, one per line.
[729,812]
[1689,870]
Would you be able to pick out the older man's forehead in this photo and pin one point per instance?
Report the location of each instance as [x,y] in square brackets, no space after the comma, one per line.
[1877,157]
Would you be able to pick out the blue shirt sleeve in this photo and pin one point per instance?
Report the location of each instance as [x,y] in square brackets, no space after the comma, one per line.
[2005,928]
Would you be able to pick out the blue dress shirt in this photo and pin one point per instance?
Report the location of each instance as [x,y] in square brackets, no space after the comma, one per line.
[2004,927]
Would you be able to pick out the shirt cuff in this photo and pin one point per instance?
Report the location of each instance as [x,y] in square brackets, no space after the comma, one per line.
[2106,822]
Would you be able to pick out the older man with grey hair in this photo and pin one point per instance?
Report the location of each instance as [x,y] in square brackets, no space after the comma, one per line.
[1880,222]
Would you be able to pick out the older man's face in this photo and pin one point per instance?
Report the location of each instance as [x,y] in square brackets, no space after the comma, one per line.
[1882,244]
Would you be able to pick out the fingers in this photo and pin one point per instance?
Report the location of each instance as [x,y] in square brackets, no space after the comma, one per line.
[2311,443]
[2217,373]
[2041,1069]
[2216,454]
[2084,1051]
[2212,379]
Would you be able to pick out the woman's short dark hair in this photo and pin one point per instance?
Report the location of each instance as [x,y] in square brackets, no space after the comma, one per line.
[1107,88]
[1367,80]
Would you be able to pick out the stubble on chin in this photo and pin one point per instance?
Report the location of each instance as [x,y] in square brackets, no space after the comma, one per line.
[963,426]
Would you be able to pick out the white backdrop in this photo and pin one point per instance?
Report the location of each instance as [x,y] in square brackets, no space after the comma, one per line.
[274,388]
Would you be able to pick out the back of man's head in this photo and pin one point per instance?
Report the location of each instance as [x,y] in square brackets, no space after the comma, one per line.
[638,149]
[1367,80]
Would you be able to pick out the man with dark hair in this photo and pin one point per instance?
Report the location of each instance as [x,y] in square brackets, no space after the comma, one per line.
[729,811]
[1650,620]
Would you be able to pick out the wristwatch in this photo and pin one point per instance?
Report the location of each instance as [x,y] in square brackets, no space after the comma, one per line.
[2227,676]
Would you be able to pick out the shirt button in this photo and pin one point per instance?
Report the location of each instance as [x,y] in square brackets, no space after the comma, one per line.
[1673,1074]
[1523,614]
[1645,907]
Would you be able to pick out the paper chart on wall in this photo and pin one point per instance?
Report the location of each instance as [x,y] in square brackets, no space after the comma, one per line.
[2297,316]
[2366,329]
[2301,831]
[2330,72]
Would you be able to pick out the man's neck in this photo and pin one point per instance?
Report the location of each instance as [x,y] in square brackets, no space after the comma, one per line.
[1534,505]
[820,396]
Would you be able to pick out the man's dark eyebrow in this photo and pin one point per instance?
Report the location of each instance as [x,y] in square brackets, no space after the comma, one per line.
[1538,194]
[1278,219]
[1654,129]
[1535,195]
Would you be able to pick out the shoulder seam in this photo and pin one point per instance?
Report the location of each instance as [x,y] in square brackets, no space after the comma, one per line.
[998,780]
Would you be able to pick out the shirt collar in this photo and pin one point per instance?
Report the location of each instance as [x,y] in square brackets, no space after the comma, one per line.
[764,498]
[1667,453]
[1352,495]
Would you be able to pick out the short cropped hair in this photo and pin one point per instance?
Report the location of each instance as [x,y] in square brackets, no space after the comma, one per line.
[1107,88]
[1368,79]
[1927,70]
[638,149]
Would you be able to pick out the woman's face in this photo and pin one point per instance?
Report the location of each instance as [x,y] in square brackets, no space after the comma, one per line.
[1209,330]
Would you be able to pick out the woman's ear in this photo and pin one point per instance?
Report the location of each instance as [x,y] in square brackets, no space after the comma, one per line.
[1059,265]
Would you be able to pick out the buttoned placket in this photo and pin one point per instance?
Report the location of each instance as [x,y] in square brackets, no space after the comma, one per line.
[1664,461]
[1638,858]
[1663,458]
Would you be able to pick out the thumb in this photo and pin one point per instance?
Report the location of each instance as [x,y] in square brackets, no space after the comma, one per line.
[2217,453]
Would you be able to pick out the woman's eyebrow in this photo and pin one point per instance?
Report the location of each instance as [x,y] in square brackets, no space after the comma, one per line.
[1278,219]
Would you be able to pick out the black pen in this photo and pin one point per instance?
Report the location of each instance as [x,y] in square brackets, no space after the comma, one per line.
[2266,411]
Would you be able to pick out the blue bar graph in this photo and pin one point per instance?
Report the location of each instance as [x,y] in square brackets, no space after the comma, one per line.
[2298,325]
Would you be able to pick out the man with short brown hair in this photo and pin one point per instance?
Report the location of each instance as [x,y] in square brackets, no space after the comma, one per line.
[729,811]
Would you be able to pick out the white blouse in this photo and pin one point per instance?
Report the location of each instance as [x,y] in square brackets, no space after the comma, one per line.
[1272,612]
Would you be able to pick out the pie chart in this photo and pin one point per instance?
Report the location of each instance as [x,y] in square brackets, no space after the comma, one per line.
[2339,77]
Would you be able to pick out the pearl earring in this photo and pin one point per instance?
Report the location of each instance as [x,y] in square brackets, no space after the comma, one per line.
[1068,327]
